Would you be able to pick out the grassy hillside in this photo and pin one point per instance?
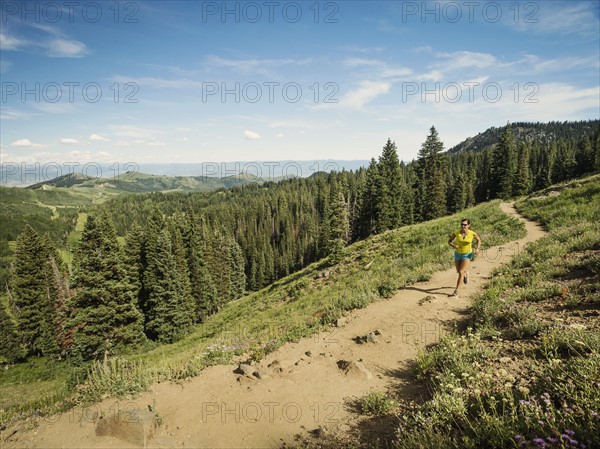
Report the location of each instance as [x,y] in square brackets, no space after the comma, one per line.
[526,372]
[296,306]
[135,182]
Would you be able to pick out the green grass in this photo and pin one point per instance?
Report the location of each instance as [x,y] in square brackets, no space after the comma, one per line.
[526,373]
[294,307]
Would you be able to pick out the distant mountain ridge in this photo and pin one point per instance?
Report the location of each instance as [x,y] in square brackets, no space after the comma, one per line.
[542,133]
[136,182]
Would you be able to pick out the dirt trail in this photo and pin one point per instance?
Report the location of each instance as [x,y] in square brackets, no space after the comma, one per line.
[304,389]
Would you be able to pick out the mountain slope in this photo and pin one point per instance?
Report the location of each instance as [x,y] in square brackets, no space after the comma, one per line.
[542,133]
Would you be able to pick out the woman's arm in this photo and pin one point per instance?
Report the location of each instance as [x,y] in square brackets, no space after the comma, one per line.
[452,237]
[478,241]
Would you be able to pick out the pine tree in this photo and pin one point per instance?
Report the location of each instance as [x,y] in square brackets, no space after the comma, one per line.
[368,206]
[596,150]
[584,156]
[431,174]
[504,162]
[10,349]
[203,288]
[390,192]
[522,182]
[167,315]
[106,320]
[32,294]
[458,194]
[338,223]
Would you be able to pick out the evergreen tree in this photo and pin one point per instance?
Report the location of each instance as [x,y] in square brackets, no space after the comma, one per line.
[10,349]
[338,224]
[390,191]
[167,315]
[596,150]
[134,254]
[106,320]
[522,182]
[585,157]
[203,288]
[504,162]
[431,174]
[368,206]
[32,294]
[458,194]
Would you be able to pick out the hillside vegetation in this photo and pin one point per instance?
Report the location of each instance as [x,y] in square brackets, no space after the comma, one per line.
[295,306]
[525,372]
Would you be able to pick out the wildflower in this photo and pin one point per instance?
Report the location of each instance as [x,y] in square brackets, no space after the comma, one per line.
[569,432]
[518,437]
[540,422]
[539,442]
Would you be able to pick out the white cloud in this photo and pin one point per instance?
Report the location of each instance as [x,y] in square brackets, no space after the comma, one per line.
[262,66]
[122,143]
[21,143]
[10,42]
[134,131]
[98,138]
[67,141]
[280,135]
[159,83]
[12,114]
[558,18]
[377,69]
[66,48]
[251,135]
[25,143]
[359,97]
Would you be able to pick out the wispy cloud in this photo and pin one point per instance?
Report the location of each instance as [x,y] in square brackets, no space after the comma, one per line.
[51,40]
[564,18]
[356,99]
[11,43]
[252,66]
[377,69]
[25,143]
[65,48]
[251,135]
[68,141]
[98,138]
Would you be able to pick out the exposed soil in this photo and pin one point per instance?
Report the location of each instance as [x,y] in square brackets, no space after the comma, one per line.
[304,388]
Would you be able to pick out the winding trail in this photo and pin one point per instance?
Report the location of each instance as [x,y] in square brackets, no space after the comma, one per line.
[304,389]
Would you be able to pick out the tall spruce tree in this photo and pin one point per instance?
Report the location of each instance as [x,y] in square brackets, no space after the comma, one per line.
[504,163]
[338,226]
[368,206]
[11,349]
[106,320]
[390,192]
[32,295]
[203,288]
[431,178]
[167,314]
[522,181]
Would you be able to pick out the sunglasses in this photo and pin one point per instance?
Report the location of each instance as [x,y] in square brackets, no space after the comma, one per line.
[464,224]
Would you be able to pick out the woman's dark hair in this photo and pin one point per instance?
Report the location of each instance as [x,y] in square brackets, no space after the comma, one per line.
[466,219]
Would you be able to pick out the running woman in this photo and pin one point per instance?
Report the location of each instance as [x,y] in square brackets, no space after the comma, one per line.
[463,251]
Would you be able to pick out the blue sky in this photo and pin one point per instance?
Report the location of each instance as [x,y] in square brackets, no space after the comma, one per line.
[192,82]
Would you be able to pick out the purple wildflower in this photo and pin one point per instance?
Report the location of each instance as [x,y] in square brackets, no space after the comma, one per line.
[539,442]
[518,437]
